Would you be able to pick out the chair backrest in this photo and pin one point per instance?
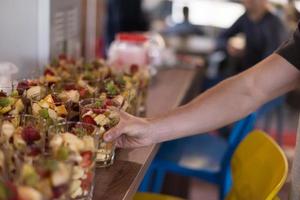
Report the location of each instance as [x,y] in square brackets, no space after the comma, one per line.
[259,168]
[239,130]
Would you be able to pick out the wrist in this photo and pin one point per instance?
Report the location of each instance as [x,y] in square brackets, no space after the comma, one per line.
[152,131]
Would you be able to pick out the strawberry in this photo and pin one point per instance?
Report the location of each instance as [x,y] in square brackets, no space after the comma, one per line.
[30,134]
[134,69]
[49,72]
[87,182]
[87,157]
[89,120]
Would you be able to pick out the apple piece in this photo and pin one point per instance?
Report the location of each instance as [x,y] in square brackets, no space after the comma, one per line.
[99,118]
[5,109]
[36,109]
[73,142]
[49,99]
[19,105]
[89,144]
[75,189]
[73,95]
[34,92]
[29,193]
[56,142]
[60,176]
[7,130]
[78,172]
[44,104]
[52,114]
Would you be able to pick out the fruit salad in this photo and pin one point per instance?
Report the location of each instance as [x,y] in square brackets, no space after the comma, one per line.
[76,142]
[46,179]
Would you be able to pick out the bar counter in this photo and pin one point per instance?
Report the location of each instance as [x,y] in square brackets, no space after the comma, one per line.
[122,179]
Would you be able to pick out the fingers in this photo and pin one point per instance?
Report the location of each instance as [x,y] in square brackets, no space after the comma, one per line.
[113,134]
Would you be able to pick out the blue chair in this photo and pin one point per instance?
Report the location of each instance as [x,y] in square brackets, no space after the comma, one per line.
[265,112]
[204,156]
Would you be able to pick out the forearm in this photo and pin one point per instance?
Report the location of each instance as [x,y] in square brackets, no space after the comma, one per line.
[229,101]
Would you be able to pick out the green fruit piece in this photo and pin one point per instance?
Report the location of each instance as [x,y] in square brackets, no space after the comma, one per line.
[3,191]
[4,102]
[62,153]
[29,175]
[44,113]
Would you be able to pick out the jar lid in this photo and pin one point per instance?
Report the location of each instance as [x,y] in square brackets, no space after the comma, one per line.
[132,37]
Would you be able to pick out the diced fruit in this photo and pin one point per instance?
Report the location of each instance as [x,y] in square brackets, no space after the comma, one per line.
[75,189]
[29,175]
[29,193]
[83,92]
[99,118]
[5,109]
[34,151]
[73,95]
[134,69]
[60,176]
[61,110]
[78,172]
[7,130]
[49,99]
[56,142]
[19,105]
[52,114]
[62,153]
[4,102]
[22,86]
[44,113]
[36,109]
[89,120]
[49,72]
[73,142]
[30,134]
[87,182]
[87,159]
[89,144]
[34,92]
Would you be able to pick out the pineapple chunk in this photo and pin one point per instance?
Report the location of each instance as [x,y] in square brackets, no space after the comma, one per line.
[5,109]
[101,120]
[44,104]
[61,110]
[49,100]
[19,106]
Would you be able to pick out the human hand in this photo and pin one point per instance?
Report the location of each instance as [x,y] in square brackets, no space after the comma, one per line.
[130,132]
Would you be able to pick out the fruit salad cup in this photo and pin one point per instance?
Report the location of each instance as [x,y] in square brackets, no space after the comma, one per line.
[100,113]
[22,138]
[76,142]
[45,179]
[31,89]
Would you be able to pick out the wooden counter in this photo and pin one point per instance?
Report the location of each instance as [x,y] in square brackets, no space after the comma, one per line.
[121,180]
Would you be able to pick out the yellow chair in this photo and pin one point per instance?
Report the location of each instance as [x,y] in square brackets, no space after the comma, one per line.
[259,169]
[150,196]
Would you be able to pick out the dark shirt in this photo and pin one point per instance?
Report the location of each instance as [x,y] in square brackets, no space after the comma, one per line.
[262,37]
[290,50]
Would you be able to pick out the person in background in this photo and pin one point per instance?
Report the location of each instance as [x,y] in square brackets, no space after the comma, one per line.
[184,28]
[124,16]
[263,32]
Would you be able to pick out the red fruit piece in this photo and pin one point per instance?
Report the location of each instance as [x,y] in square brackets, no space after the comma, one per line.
[62,57]
[59,191]
[109,102]
[49,72]
[83,92]
[22,86]
[89,120]
[30,134]
[87,182]
[98,111]
[87,157]
[34,151]
[70,86]
[11,191]
[134,69]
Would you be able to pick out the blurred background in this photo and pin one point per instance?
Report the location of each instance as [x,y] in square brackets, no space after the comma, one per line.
[219,37]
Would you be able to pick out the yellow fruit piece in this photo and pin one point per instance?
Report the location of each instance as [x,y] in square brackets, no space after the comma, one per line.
[5,109]
[61,110]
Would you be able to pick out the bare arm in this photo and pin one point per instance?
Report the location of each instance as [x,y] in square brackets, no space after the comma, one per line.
[229,101]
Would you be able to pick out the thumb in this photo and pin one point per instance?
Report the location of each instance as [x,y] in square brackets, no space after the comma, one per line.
[113,134]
